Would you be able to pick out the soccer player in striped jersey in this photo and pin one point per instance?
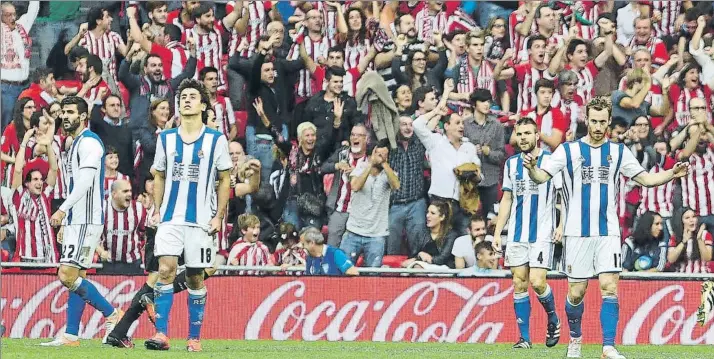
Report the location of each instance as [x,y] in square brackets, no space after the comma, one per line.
[592,167]
[82,216]
[188,159]
[529,209]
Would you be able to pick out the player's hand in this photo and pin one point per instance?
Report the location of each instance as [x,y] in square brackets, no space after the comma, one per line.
[60,235]
[529,161]
[558,235]
[680,169]
[57,218]
[214,226]
[496,244]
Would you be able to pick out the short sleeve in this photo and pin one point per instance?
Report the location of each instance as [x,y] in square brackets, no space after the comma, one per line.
[118,41]
[462,246]
[361,167]
[558,181]
[160,155]
[590,66]
[521,70]
[223,158]
[629,166]
[90,153]
[507,184]
[556,162]
[617,96]
[559,122]
[342,262]
[230,114]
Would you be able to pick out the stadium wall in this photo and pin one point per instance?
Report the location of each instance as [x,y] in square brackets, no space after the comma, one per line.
[365,309]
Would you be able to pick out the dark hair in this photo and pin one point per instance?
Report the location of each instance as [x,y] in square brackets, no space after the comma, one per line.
[361,34]
[446,211]
[483,246]
[200,10]
[599,103]
[121,102]
[692,14]
[574,45]
[539,8]
[28,176]
[678,231]
[193,84]
[151,56]
[419,94]
[153,5]
[642,234]
[527,121]
[111,150]
[410,72]
[534,38]
[336,48]
[95,62]
[205,71]
[41,73]
[480,95]
[77,53]
[334,71]
[618,121]
[82,107]
[35,119]
[173,31]
[94,14]
[477,218]
[17,117]
[544,83]
[683,73]
[384,143]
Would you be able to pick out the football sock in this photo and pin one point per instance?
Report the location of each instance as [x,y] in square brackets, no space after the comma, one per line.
[196,306]
[522,306]
[75,308]
[609,315]
[575,315]
[89,293]
[180,283]
[132,314]
[548,302]
[163,299]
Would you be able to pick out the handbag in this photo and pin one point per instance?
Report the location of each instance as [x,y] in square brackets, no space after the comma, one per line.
[309,204]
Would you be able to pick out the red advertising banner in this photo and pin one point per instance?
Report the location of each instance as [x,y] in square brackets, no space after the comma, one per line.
[365,308]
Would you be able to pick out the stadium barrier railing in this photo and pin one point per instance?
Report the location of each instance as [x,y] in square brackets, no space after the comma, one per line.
[400,305]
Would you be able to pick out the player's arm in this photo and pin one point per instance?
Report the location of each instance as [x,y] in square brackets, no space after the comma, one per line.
[90,154]
[224,192]
[538,175]
[159,183]
[648,179]
[223,165]
[504,212]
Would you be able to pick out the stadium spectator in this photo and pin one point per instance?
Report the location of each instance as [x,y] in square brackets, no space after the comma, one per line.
[415,73]
[552,125]
[546,27]
[645,38]
[111,170]
[436,242]
[146,135]
[16,52]
[339,200]
[291,250]
[402,97]
[660,199]
[247,250]
[527,73]
[124,228]
[324,259]
[306,197]
[688,87]
[222,108]
[112,127]
[630,103]
[13,134]
[407,209]
[463,251]
[486,260]
[372,183]
[43,89]
[316,41]
[690,248]
[646,248]
[496,40]
[182,17]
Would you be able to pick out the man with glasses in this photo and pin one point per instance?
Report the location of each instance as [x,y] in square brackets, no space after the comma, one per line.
[567,100]
[342,163]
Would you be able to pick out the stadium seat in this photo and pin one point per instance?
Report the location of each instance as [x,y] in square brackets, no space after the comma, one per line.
[391,261]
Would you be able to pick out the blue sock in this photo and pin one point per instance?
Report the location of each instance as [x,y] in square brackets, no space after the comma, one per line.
[522,305]
[89,293]
[575,316]
[75,308]
[163,299]
[609,315]
[548,302]
[196,306]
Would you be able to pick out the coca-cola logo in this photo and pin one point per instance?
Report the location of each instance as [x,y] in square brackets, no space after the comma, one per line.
[348,322]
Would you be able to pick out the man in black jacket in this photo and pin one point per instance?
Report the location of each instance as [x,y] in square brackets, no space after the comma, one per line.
[266,80]
[109,123]
[333,112]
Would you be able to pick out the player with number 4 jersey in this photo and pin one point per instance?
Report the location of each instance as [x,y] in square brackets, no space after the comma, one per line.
[187,162]
[529,209]
[591,170]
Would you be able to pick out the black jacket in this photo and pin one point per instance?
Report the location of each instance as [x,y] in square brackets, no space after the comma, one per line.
[119,137]
[320,113]
[440,256]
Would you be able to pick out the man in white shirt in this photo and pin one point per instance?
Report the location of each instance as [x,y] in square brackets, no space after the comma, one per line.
[16,52]
[463,250]
[446,152]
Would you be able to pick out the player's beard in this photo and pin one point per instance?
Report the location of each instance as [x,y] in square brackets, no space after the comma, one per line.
[70,126]
[529,148]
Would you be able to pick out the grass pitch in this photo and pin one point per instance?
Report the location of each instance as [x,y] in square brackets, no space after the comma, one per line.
[222,349]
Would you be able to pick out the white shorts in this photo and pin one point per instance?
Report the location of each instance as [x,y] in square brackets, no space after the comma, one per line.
[79,242]
[586,257]
[535,255]
[197,247]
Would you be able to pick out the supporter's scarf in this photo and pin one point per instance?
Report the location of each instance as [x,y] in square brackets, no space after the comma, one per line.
[8,43]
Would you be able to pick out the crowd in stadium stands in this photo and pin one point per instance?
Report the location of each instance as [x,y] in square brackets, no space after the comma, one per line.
[384,125]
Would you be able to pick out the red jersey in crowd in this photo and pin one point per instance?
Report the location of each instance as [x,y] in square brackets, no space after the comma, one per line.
[471,78]
[174,17]
[315,49]
[586,80]
[9,145]
[669,10]
[225,117]
[679,100]
[689,265]
[105,47]
[257,12]
[654,98]
[655,46]
[41,98]
[344,191]
[547,122]
[572,109]
[108,181]
[209,50]
[123,234]
[354,52]
[527,76]
[35,237]
[245,253]
[426,24]
[349,81]
[698,184]
[514,19]
[59,191]
[173,57]
[411,7]
[659,199]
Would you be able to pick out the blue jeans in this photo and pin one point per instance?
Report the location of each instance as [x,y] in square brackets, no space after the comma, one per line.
[47,34]
[10,93]
[487,10]
[373,247]
[409,217]
[291,215]
[262,150]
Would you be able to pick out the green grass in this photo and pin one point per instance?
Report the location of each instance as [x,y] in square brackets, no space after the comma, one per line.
[223,349]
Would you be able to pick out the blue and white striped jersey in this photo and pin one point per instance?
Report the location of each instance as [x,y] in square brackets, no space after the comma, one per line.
[191,170]
[590,184]
[87,151]
[533,207]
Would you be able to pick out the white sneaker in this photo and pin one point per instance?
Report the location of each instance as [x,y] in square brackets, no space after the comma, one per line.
[110,322]
[611,353]
[575,348]
[61,341]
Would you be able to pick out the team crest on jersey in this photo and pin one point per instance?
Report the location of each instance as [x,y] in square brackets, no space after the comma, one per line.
[200,153]
[609,159]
